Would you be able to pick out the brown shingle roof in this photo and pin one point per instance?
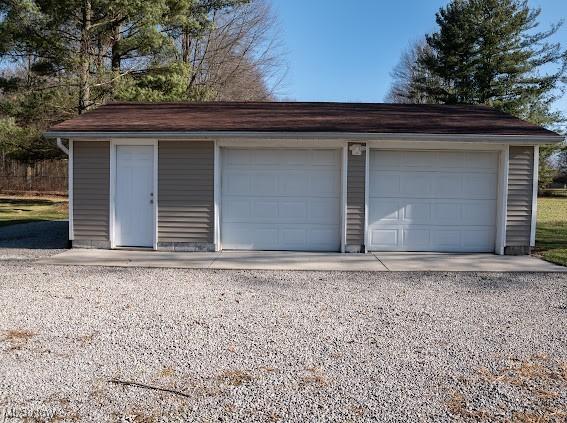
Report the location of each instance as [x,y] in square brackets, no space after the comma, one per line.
[300,117]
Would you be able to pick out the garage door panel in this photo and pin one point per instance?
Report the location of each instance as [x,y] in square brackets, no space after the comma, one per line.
[418,159]
[314,210]
[480,186]
[447,187]
[324,182]
[385,183]
[387,160]
[237,183]
[262,183]
[427,238]
[479,238]
[263,209]
[416,239]
[293,210]
[479,160]
[323,236]
[324,210]
[237,209]
[479,214]
[417,213]
[416,184]
[292,236]
[325,157]
[451,160]
[433,201]
[281,199]
[258,236]
[447,239]
[384,238]
[293,184]
[447,213]
[433,212]
[386,209]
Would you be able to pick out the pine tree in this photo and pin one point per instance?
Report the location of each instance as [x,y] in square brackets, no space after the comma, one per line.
[489,52]
[486,52]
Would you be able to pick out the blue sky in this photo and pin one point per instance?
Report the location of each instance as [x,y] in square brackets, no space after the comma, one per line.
[341,50]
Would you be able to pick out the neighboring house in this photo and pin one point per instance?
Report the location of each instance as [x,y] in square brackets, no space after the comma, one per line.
[302,176]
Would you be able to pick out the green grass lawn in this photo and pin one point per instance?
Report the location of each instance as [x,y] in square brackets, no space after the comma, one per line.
[551,238]
[31,209]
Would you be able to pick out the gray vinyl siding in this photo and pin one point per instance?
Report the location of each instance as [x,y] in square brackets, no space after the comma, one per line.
[356,172]
[520,190]
[91,187]
[186,192]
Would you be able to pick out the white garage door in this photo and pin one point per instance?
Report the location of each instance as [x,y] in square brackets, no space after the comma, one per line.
[432,201]
[280,199]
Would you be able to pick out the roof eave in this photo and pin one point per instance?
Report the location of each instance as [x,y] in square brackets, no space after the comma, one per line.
[487,138]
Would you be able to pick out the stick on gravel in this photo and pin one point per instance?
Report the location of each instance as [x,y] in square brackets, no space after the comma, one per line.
[141,385]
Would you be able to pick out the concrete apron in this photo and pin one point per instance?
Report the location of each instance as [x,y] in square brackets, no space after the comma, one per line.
[269,260]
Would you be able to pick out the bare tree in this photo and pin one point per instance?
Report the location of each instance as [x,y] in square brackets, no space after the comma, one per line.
[410,77]
[241,56]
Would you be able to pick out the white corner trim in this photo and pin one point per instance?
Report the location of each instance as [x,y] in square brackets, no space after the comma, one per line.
[217,196]
[534,196]
[366,195]
[70,191]
[502,214]
[344,183]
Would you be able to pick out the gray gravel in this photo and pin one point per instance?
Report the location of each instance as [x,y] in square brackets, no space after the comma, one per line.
[279,346]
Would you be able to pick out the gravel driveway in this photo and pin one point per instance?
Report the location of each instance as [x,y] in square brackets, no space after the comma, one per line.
[131,344]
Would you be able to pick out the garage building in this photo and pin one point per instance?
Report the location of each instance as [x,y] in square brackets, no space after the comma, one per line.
[302,177]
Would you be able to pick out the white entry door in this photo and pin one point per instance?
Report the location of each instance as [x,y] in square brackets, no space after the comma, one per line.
[432,201]
[280,199]
[134,194]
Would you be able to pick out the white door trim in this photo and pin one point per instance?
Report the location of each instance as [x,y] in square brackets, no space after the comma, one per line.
[502,213]
[502,200]
[156,194]
[217,196]
[344,187]
[534,196]
[366,195]
[70,191]
[126,141]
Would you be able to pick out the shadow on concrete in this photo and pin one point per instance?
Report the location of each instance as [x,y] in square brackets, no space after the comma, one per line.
[43,235]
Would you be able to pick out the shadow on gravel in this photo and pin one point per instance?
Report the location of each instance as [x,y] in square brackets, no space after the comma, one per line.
[47,235]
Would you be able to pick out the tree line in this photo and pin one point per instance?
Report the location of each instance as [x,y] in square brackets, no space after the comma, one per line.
[62,58]
[490,52]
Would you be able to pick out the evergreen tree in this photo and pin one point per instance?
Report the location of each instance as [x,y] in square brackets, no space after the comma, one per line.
[489,52]
[486,52]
